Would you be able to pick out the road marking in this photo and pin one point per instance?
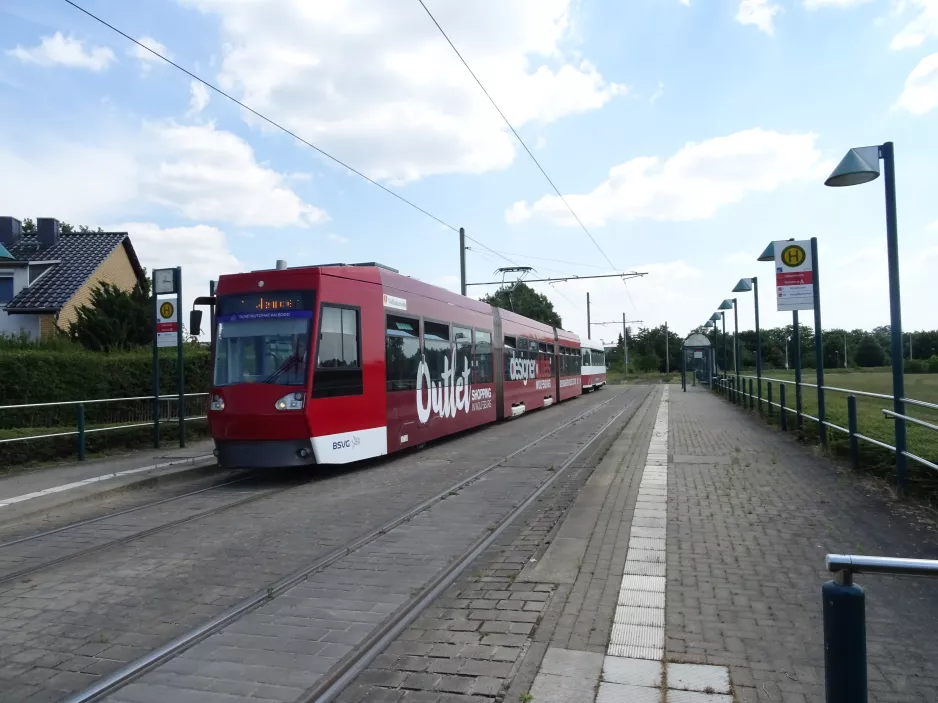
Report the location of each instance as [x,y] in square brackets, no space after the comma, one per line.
[634,662]
[95,479]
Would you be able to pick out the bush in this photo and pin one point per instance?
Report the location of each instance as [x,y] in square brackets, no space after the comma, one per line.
[40,375]
[933,364]
[916,366]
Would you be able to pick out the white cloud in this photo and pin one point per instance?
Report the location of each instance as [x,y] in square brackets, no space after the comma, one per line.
[202,251]
[202,173]
[337,238]
[212,175]
[376,84]
[540,143]
[147,58]
[690,185]
[924,25]
[658,94]
[760,13]
[920,94]
[199,97]
[59,50]
[933,227]
[840,4]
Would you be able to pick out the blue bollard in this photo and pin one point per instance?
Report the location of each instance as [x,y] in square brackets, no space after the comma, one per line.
[844,641]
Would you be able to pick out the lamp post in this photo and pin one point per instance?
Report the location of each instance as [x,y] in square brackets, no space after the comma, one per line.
[711,323]
[861,165]
[724,306]
[714,318]
[744,286]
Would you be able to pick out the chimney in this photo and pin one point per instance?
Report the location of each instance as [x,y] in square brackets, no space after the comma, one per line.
[11,231]
[281,264]
[48,229]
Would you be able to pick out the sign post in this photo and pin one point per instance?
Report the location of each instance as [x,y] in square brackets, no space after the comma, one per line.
[167,332]
[796,284]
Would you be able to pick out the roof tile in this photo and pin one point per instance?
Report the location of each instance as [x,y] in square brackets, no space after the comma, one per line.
[79,254]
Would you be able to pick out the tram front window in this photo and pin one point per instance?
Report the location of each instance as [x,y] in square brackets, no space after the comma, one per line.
[274,351]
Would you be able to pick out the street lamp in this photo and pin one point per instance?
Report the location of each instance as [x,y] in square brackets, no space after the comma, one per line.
[746,285]
[861,165]
[724,306]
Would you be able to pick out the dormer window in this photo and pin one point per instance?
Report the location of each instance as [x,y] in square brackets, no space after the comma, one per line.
[6,287]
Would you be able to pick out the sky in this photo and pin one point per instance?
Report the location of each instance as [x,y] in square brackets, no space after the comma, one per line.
[685,135]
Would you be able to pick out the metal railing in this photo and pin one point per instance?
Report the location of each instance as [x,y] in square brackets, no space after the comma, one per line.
[726,386]
[844,604]
[165,402]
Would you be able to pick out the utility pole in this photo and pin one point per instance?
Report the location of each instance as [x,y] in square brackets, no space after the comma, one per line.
[589,334]
[667,360]
[845,351]
[625,347]
[462,261]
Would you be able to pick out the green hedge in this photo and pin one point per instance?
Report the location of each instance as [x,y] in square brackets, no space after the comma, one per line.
[61,375]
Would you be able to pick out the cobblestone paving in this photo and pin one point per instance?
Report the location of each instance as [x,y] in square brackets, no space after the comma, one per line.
[62,628]
[483,640]
[752,515]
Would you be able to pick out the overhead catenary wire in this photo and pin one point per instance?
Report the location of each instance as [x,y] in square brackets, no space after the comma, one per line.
[266,119]
[524,146]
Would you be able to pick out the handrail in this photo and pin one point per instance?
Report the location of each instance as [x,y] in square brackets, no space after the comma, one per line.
[863,564]
[61,403]
[890,413]
[854,434]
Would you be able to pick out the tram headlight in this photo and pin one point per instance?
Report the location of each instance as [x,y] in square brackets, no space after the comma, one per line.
[218,403]
[291,401]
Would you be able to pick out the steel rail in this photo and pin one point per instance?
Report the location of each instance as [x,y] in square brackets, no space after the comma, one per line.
[6,578]
[91,521]
[151,660]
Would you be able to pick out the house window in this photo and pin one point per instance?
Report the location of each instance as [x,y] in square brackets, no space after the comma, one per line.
[6,288]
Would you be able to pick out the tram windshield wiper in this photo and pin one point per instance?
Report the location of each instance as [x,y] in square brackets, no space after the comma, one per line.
[291,362]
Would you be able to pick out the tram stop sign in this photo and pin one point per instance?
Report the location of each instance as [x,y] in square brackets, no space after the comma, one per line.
[167,323]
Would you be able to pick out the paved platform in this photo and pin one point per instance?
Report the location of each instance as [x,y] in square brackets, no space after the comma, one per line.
[727,607]
[686,568]
[30,491]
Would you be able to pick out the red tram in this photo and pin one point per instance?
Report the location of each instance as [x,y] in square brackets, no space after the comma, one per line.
[338,363]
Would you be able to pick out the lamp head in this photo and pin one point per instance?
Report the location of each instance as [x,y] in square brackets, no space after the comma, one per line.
[744,286]
[860,165]
[726,305]
[709,323]
[714,317]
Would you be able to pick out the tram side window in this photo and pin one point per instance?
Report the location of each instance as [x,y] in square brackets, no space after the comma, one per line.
[402,353]
[577,362]
[599,358]
[482,366]
[338,361]
[436,347]
[546,367]
[463,339]
[565,361]
[586,357]
[510,351]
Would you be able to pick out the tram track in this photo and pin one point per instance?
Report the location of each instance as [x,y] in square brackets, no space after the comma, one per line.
[332,685]
[49,563]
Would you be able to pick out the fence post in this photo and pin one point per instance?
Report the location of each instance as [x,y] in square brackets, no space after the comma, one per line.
[768,408]
[852,426]
[81,431]
[752,398]
[783,413]
[844,641]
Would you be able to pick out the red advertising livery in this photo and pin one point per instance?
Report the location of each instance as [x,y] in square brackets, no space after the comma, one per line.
[333,364]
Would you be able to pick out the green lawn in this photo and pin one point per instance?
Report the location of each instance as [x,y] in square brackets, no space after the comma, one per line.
[870,419]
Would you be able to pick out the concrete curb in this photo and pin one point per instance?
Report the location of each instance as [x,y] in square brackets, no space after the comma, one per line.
[162,473]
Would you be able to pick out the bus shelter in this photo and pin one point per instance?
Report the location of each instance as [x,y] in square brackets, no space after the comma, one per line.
[697,360]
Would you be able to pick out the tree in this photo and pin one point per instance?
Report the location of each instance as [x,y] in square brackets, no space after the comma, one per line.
[870,353]
[524,300]
[115,319]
